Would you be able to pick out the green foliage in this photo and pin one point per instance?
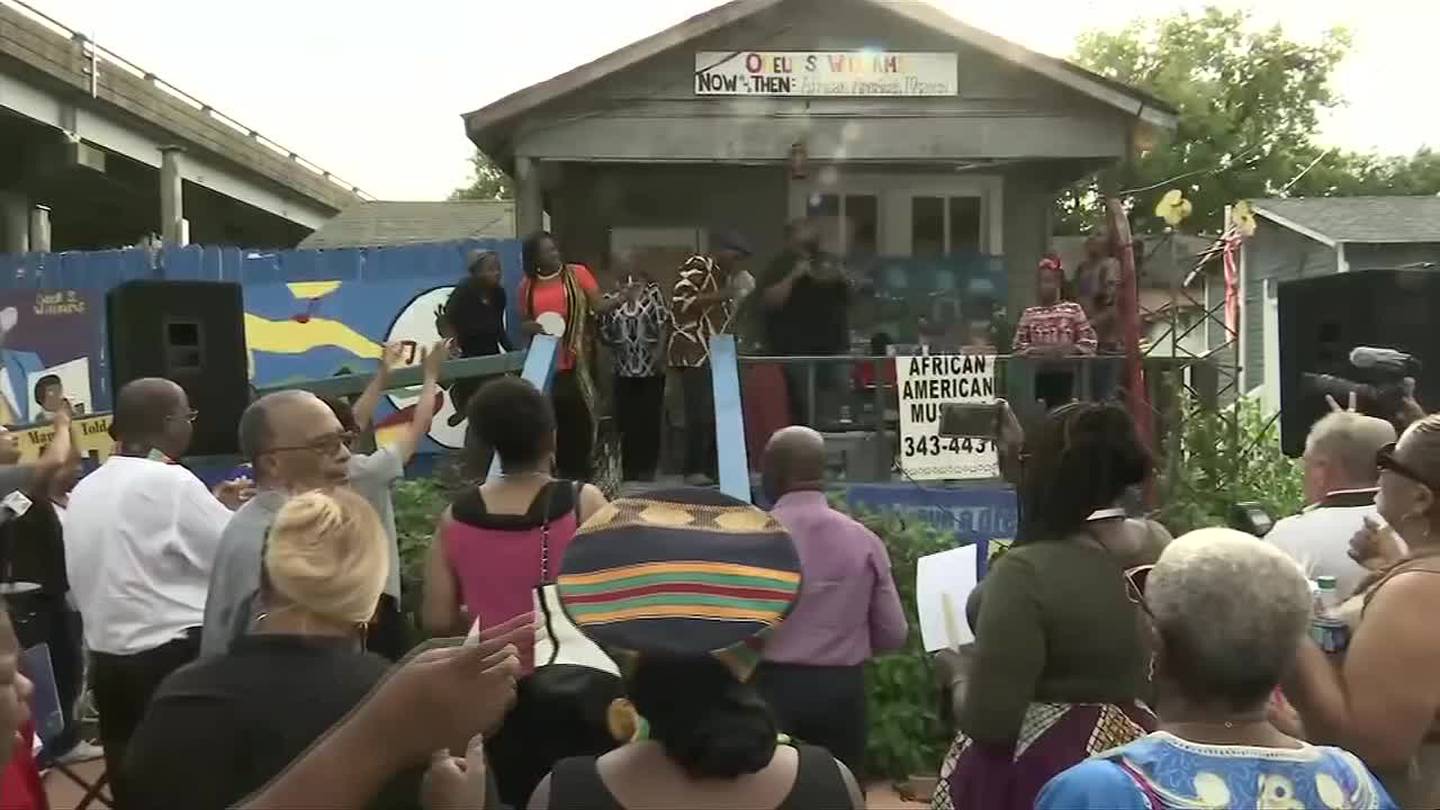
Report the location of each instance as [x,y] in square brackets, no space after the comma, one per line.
[1224,462]
[418,505]
[1249,102]
[489,181]
[907,735]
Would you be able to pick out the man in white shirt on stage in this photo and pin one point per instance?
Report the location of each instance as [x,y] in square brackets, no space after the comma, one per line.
[1340,482]
[141,534]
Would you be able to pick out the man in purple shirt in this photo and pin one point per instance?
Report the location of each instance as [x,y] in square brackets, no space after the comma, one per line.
[813,670]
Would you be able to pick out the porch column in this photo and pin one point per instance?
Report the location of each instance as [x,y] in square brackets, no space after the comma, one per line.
[529,209]
[172,201]
[15,222]
[40,229]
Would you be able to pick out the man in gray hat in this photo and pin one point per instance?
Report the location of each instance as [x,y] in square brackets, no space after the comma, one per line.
[707,293]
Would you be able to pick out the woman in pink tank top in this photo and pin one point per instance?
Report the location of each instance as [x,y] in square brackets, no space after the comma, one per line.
[499,541]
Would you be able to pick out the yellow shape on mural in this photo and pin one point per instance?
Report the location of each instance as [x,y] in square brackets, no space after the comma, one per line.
[312,289]
[293,337]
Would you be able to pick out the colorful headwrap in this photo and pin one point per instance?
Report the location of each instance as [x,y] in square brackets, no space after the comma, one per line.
[681,573]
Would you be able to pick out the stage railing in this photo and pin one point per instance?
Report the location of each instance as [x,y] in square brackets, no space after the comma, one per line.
[854,398]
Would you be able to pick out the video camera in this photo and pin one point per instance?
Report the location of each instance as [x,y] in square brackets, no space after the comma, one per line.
[1378,383]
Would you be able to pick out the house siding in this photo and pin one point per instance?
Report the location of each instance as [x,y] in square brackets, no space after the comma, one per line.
[1274,252]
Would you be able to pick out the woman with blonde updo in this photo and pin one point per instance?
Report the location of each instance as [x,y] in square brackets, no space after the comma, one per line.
[222,727]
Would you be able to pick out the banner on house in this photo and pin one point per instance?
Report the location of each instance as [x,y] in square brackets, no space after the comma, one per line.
[825,73]
[926,383]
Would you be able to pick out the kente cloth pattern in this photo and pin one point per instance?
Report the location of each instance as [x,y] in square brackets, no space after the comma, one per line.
[686,572]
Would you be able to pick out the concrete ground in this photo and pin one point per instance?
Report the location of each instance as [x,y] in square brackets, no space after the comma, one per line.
[65,795]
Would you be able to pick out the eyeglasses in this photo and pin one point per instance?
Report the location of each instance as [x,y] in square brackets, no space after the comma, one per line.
[1385,460]
[190,416]
[1135,579]
[324,446]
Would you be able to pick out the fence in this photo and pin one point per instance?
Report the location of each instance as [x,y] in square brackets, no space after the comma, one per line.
[308,314]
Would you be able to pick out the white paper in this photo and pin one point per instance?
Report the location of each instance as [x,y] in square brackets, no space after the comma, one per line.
[943,583]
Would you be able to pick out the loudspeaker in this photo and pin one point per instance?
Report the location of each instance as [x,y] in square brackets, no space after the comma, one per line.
[1322,318]
[191,332]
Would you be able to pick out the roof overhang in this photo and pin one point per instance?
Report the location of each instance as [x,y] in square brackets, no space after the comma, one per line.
[481,124]
[1290,224]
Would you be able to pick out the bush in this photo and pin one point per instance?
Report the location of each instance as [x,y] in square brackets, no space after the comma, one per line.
[419,503]
[1223,462]
[907,735]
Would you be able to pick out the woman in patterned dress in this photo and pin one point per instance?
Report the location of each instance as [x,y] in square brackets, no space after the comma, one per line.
[1230,613]
[635,332]
[1060,662]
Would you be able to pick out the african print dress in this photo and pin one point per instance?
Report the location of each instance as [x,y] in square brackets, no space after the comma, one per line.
[1163,772]
[1053,737]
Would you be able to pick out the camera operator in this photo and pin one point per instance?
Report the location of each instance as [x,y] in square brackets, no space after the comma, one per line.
[1383,385]
[1340,486]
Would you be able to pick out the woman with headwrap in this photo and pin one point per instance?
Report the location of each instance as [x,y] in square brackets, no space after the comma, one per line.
[563,300]
[220,728]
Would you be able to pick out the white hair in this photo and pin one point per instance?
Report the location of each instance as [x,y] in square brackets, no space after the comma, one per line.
[1350,440]
[1231,610]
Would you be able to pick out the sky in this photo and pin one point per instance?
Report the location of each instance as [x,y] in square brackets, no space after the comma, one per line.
[373,90]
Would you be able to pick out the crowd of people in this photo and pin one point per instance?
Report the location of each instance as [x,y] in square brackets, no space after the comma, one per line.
[245,645]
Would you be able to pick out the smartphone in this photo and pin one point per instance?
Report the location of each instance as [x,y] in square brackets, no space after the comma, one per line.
[979,420]
[409,347]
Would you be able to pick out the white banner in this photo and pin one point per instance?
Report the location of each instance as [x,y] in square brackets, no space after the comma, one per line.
[825,73]
[926,383]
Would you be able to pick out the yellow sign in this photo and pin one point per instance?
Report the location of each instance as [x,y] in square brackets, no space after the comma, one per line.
[93,435]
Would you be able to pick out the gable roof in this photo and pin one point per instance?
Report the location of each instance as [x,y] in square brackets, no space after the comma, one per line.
[382,223]
[1131,101]
[1334,220]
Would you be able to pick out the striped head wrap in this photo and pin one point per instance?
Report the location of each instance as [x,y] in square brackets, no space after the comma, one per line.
[681,573]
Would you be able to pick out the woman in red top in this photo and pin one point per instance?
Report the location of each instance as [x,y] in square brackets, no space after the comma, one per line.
[563,300]
[1053,329]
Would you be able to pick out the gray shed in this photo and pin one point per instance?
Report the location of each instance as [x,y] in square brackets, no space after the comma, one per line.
[1300,238]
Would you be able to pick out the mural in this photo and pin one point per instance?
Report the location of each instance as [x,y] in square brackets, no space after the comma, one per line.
[47,340]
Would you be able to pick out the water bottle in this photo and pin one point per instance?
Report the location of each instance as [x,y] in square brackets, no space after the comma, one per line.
[1330,632]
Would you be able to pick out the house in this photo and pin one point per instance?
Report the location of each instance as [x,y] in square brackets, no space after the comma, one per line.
[1302,238]
[385,223]
[927,150]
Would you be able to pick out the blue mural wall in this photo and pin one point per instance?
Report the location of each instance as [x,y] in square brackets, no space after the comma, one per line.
[308,313]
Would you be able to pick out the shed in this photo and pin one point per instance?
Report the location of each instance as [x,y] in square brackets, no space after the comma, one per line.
[1300,238]
[386,223]
[907,135]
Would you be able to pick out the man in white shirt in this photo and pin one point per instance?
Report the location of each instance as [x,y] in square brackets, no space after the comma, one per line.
[141,534]
[1340,481]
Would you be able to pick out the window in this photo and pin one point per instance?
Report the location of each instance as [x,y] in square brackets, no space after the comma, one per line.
[927,227]
[964,225]
[943,226]
[848,224]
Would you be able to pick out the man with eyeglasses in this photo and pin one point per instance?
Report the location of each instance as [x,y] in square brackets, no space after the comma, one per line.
[1340,485]
[141,534]
[295,444]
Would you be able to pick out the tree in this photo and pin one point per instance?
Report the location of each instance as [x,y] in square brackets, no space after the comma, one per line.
[489,183]
[1249,102]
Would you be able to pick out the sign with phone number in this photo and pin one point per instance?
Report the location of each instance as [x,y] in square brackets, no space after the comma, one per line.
[926,383]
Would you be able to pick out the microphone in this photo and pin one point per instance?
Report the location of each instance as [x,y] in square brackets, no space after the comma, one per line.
[1390,360]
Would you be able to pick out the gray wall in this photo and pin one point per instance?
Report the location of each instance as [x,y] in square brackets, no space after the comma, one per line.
[594,198]
[651,111]
[1367,257]
[1279,253]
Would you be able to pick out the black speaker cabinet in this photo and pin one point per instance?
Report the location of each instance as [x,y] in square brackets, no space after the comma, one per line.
[191,332]
[1323,318]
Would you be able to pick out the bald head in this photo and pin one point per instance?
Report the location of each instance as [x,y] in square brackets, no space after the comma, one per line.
[152,413]
[286,437]
[794,460]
